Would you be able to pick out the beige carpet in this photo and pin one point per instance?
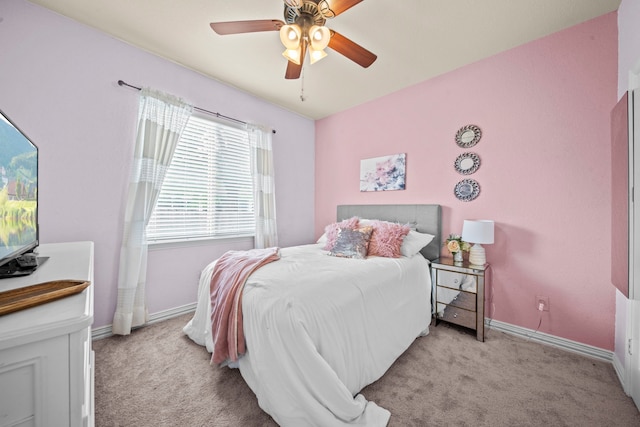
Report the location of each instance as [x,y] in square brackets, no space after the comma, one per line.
[158,377]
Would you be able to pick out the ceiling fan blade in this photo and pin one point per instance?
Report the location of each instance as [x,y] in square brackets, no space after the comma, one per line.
[339,6]
[238,27]
[351,50]
[293,69]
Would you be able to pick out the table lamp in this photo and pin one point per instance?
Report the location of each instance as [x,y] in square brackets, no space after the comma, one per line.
[478,232]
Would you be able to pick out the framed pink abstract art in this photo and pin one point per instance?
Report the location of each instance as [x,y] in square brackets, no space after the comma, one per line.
[383,173]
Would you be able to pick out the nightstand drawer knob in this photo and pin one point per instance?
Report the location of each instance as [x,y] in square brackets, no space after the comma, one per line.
[455,315]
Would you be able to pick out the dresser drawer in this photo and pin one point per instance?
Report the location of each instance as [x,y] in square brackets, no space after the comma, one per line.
[454,280]
[456,315]
[455,298]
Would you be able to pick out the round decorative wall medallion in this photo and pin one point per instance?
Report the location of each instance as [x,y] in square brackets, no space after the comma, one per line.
[467,163]
[468,136]
[467,190]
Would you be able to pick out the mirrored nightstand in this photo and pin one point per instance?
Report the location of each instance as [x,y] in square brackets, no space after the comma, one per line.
[459,293]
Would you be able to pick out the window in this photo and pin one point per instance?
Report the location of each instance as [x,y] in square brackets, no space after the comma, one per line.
[208,190]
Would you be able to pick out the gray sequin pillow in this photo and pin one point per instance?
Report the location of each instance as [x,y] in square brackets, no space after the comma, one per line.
[352,243]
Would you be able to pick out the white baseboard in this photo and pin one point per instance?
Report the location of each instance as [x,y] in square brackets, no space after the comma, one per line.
[105,331]
[552,340]
[621,372]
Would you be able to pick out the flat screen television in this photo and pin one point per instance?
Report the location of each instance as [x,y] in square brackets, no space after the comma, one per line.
[18,201]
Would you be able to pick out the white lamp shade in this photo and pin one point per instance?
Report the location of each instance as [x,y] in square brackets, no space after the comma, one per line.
[293,55]
[316,55]
[478,231]
[290,36]
[319,37]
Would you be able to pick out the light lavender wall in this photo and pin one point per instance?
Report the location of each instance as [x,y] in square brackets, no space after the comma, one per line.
[58,84]
[628,42]
[545,173]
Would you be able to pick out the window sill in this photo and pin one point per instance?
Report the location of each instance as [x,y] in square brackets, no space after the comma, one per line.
[190,243]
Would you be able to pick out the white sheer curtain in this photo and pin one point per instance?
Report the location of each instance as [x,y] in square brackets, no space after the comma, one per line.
[161,120]
[263,186]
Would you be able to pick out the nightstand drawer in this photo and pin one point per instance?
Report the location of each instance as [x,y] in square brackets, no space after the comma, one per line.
[456,315]
[454,280]
[454,298]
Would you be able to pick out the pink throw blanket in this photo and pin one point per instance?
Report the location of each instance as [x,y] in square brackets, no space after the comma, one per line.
[227,281]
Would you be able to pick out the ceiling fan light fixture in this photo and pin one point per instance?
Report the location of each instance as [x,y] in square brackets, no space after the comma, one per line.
[290,36]
[319,37]
[302,30]
[293,55]
[316,55]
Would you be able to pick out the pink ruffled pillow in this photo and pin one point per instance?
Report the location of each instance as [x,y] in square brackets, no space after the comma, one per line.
[332,230]
[387,238]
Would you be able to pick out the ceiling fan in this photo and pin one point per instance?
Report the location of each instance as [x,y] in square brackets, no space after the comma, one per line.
[303,30]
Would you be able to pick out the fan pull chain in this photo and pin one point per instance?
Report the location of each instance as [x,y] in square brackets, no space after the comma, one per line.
[302,98]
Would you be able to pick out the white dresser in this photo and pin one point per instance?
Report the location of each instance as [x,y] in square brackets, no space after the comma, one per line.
[46,360]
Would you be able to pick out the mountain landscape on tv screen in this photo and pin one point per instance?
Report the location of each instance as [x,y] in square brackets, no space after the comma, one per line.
[18,189]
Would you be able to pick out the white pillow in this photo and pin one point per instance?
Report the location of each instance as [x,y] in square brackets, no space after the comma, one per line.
[323,238]
[414,242]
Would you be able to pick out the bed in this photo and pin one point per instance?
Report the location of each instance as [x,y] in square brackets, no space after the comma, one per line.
[336,325]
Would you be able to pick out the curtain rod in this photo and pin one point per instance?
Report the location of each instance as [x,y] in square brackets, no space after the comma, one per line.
[202,110]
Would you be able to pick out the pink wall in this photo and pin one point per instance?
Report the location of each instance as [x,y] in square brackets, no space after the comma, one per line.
[545,176]
[58,83]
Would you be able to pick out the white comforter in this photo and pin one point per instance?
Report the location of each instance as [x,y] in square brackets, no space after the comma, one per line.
[320,328]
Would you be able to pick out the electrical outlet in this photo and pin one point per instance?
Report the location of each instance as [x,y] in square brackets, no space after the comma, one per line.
[542,303]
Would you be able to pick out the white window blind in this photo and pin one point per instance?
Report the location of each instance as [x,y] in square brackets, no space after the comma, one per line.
[208,191]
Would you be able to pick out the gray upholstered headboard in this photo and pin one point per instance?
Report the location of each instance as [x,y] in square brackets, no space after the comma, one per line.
[427,219]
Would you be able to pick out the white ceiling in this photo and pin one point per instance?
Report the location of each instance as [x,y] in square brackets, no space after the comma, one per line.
[414,39]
